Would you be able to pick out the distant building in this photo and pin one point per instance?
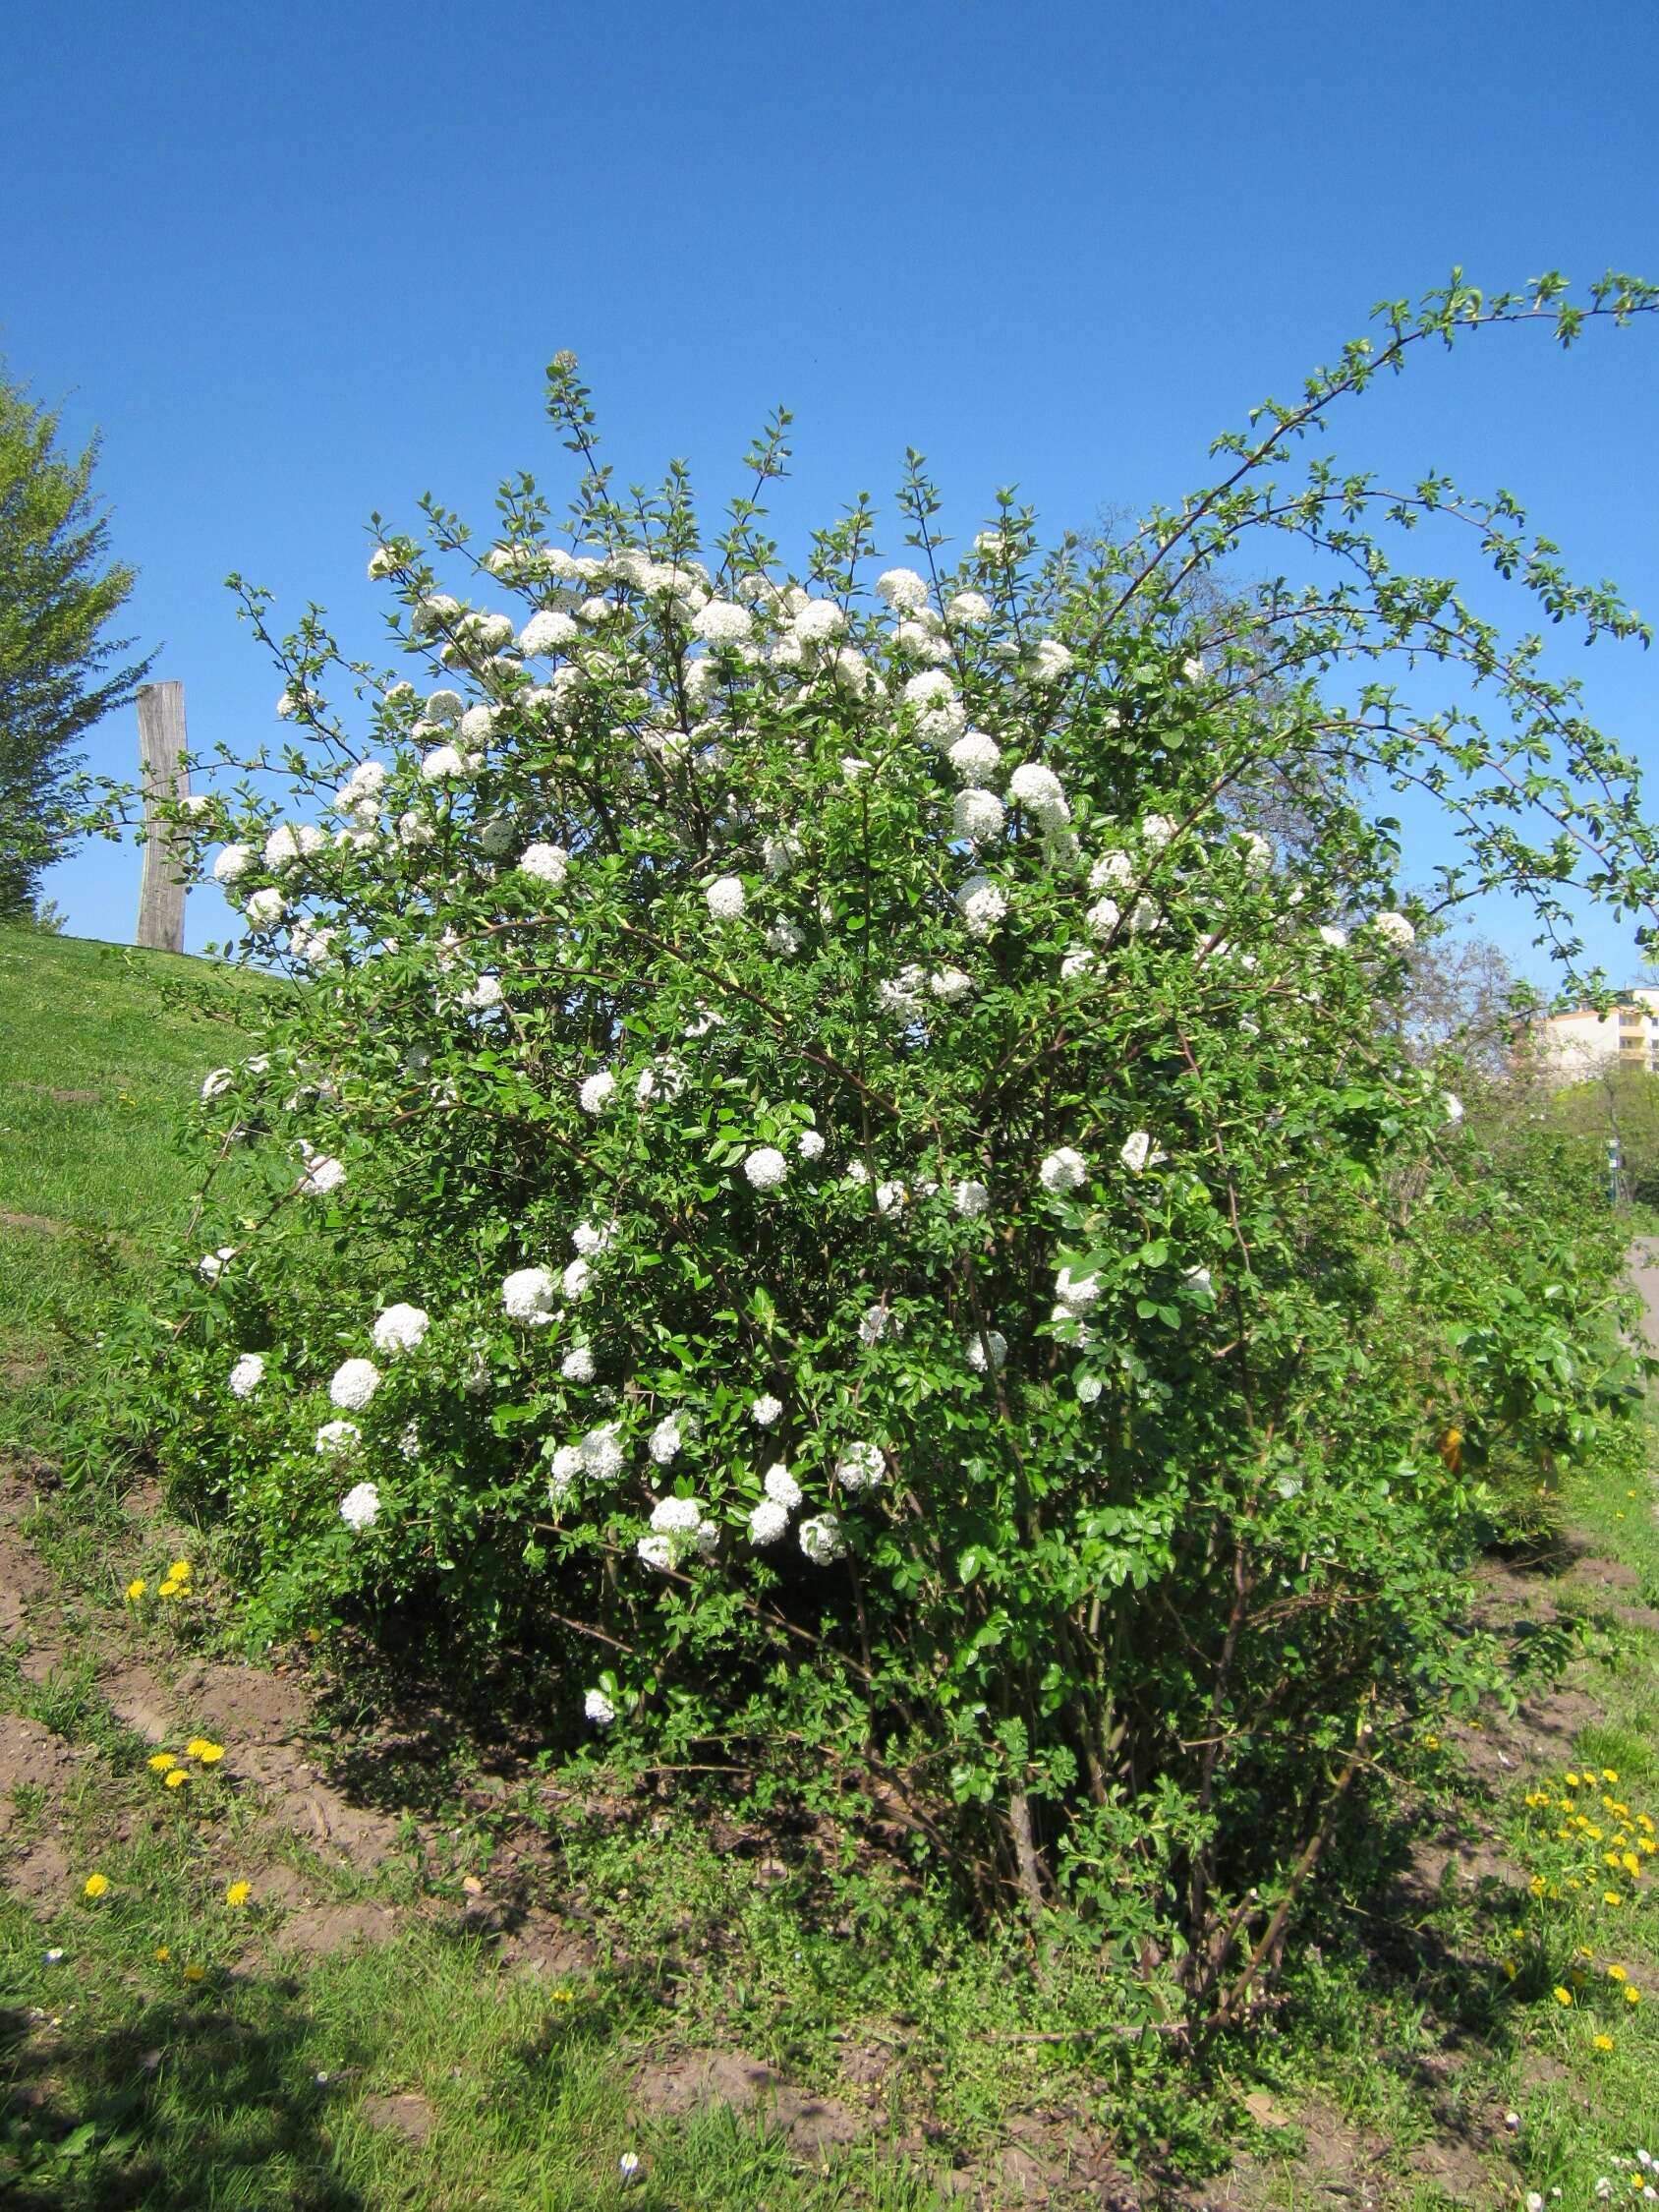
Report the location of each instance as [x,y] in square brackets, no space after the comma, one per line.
[1581,1042]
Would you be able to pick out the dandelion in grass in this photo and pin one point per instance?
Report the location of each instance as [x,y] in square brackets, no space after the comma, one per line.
[96,1885]
[205,1751]
[238,1892]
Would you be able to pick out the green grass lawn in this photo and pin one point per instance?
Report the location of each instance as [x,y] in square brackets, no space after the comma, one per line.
[166,2049]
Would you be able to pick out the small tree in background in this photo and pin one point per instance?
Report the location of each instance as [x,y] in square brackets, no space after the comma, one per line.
[59,671]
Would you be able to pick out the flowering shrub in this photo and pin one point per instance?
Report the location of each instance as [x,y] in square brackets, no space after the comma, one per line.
[837,1170]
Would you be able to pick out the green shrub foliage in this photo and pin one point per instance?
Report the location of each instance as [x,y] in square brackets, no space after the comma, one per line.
[828,1183]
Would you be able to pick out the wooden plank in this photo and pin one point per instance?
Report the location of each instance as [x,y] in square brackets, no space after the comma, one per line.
[162,752]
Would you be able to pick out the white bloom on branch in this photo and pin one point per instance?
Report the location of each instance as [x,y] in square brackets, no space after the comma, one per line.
[590,1237]
[723,623]
[446,764]
[780,854]
[874,1326]
[901,993]
[765,1167]
[1258,853]
[577,1366]
[481,996]
[1329,934]
[1454,1106]
[1047,662]
[810,1144]
[266,907]
[247,1374]
[1199,1279]
[970,1198]
[1115,869]
[382,562]
[861,1467]
[597,1708]
[336,1437]
[666,1441]
[218,1082]
[932,688]
[400,1328]
[950,984]
[676,1516]
[726,898]
[601,1453]
[977,816]
[1101,919]
[414,830]
[768,1521]
[573,1283]
[1395,929]
[1156,831]
[785,939]
[233,861]
[361,1506]
[1194,670]
[597,1091]
[478,723]
[1139,1152]
[1062,1170]
[213,1265]
[975,757]
[291,842]
[324,1174]
[858,1173]
[445,706]
[818,621]
[1079,960]
[548,631]
[496,834]
[822,1540]
[903,590]
[547,864]
[999,1344]
[353,1383]
[782,1487]
[920,642]
[527,1296]
[891,1198]
[566,1466]
[967,610]
[982,905]
[1039,790]
[765,1411]
[1076,1293]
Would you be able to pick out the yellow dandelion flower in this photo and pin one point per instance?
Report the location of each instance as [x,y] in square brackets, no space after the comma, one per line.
[1536,1885]
[239,1892]
[180,1570]
[168,1589]
[1573,1781]
[1644,1821]
[1563,1996]
[1584,1951]
[1633,1995]
[96,1885]
[1632,1865]
[564,1996]
[1431,1743]
[162,1953]
[204,1749]
[1602,2042]
[1612,1897]
[1615,1974]
[176,1776]
[161,1763]
[195,1974]
[1646,1845]
[1610,1858]
[1610,1773]
[136,1590]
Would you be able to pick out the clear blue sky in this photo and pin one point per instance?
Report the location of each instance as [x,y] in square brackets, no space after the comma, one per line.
[299,263]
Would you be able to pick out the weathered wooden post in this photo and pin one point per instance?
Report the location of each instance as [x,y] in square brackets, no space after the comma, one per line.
[162,752]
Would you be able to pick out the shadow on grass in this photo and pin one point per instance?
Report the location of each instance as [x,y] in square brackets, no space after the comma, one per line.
[211,2098]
